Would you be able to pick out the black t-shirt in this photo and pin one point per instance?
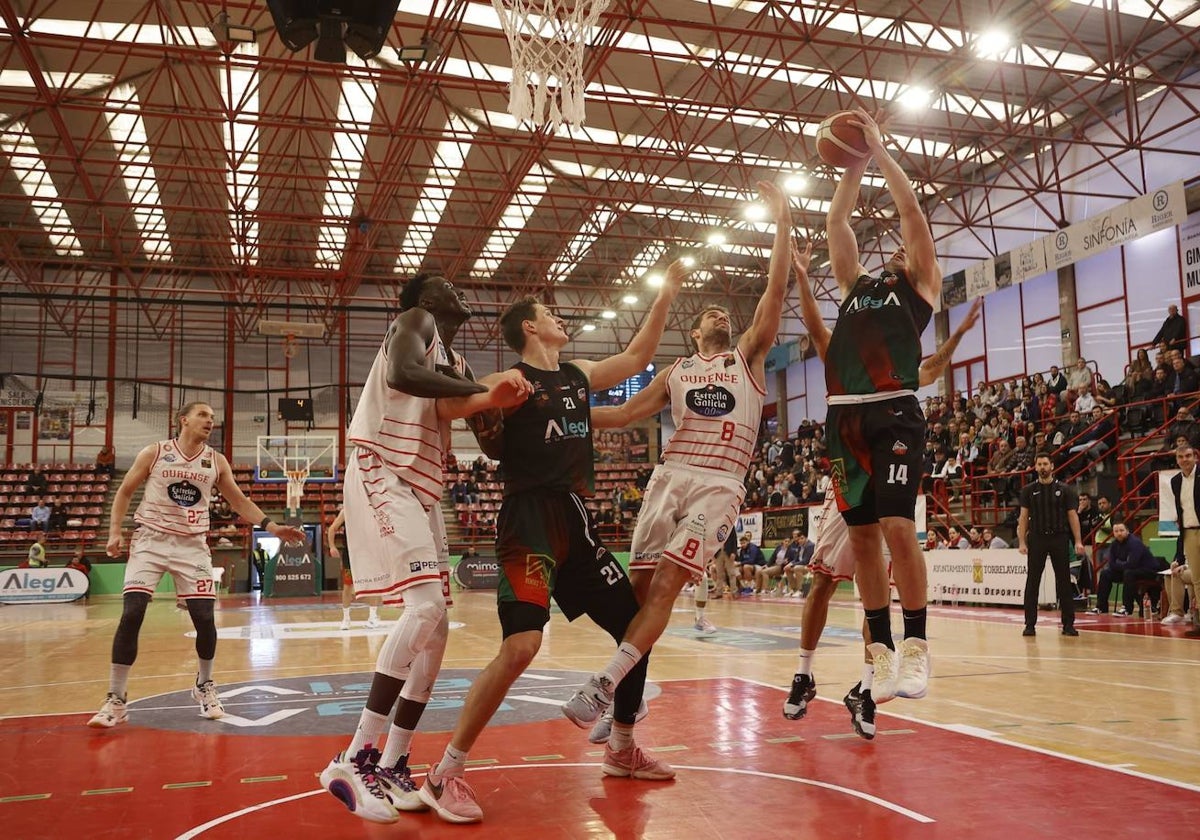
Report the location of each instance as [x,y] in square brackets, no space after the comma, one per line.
[1048,505]
[548,440]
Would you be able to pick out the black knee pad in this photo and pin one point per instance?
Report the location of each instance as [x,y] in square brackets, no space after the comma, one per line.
[201,610]
[125,640]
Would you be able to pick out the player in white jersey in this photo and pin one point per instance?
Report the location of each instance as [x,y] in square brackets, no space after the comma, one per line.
[833,561]
[395,533]
[172,538]
[692,500]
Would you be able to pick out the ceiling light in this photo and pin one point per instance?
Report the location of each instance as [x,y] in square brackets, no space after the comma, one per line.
[589,327]
[608,314]
[754,212]
[654,280]
[629,299]
[915,97]
[223,30]
[688,261]
[992,43]
[795,183]
[716,238]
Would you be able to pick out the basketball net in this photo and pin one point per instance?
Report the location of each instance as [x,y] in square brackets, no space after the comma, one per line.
[295,488]
[547,39]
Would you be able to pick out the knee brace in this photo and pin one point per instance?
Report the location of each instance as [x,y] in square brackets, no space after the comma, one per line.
[202,612]
[425,668]
[413,632]
[125,640]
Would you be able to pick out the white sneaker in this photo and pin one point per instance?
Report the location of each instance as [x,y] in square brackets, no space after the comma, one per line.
[401,789]
[111,713]
[345,625]
[1173,618]
[373,622]
[913,679]
[884,658]
[589,702]
[353,781]
[603,727]
[703,625]
[210,704]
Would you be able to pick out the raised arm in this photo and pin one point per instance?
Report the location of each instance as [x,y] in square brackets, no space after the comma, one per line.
[650,400]
[640,351]
[935,365]
[920,254]
[408,341]
[758,338]
[818,331]
[843,246]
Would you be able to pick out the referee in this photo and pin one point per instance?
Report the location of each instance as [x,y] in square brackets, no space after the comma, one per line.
[1048,516]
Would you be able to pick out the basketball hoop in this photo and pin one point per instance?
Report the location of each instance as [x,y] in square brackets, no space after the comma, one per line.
[547,40]
[295,487]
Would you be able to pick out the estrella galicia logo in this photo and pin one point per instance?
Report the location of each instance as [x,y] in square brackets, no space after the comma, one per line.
[710,401]
[184,493]
[1060,240]
[1161,200]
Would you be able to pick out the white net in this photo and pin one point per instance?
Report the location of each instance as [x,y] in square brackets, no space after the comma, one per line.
[295,487]
[547,39]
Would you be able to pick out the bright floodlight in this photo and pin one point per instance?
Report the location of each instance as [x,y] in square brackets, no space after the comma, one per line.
[755,212]
[629,299]
[915,97]
[716,238]
[992,44]
[589,327]
[608,314]
[795,183]
[688,262]
[654,280]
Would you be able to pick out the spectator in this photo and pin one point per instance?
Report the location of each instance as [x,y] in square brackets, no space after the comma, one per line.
[822,487]
[1089,517]
[1002,462]
[58,517]
[1080,375]
[631,498]
[1182,377]
[36,558]
[1129,561]
[774,450]
[787,456]
[968,452]
[1173,331]
[786,552]
[1182,427]
[1187,516]
[990,540]
[954,539]
[796,570]
[37,484]
[1056,383]
[258,561]
[40,515]
[1085,401]
[1094,439]
[458,491]
[750,559]
[1104,527]
[1141,364]
[79,562]
[106,460]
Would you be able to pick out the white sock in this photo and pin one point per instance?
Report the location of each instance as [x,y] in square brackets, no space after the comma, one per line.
[374,614]
[205,672]
[806,658]
[622,663]
[621,736]
[397,744]
[371,726]
[345,613]
[118,679]
[701,596]
[453,763]
[868,678]
[700,610]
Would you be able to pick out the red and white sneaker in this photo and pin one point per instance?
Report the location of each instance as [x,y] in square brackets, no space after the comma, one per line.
[452,798]
[631,762]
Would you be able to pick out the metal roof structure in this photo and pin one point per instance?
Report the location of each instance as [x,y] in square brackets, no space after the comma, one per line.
[142,158]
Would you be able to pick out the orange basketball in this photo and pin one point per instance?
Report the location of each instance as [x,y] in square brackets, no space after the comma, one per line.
[840,142]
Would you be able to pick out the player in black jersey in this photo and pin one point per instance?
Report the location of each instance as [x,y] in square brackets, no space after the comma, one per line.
[875,425]
[546,542]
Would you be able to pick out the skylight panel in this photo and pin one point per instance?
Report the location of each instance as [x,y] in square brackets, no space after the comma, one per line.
[128,134]
[443,175]
[55,79]
[26,161]
[356,103]
[512,221]
[239,92]
[596,226]
[1158,9]
[126,33]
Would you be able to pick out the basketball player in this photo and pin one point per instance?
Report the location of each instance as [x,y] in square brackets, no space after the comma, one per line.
[395,533]
[547,544]
[172,538]
[876,430]
[833,561]
[692,500]
[348,577]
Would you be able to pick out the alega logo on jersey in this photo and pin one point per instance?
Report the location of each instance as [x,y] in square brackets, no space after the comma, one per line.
[710,401]
[562,428]
[866,301]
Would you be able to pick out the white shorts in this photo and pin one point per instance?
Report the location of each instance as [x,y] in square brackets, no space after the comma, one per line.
[394,541]
[186,558]
[832,555]
[686,516]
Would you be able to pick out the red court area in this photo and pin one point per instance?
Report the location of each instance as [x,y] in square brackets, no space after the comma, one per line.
[744,771]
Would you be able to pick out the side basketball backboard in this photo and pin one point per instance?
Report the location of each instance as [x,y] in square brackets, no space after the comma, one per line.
[279,455]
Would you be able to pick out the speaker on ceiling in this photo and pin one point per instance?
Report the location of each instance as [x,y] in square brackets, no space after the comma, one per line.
[360,25]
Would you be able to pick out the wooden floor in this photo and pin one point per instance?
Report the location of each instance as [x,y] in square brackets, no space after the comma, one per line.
[1037,715]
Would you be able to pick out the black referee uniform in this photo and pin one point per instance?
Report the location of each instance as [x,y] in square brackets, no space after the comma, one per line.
[1045,507]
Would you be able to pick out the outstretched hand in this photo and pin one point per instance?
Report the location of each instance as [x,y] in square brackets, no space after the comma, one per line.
[972,316]
[801,257]
[677,272]
[288,533]
[871,130]
[775,198]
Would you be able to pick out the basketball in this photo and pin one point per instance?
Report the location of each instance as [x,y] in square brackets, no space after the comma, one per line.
[840,142]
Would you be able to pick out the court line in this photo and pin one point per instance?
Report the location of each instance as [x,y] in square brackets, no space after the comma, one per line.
[988,735]
[857,794]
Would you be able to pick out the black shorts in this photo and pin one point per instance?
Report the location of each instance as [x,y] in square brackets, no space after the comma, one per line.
[875,451]
[547,546]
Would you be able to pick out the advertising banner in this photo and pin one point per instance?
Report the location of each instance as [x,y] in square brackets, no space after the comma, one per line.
[985,576]
[42,586]
[477,572]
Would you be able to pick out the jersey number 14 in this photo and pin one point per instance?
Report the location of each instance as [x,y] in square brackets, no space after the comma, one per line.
[897,474]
